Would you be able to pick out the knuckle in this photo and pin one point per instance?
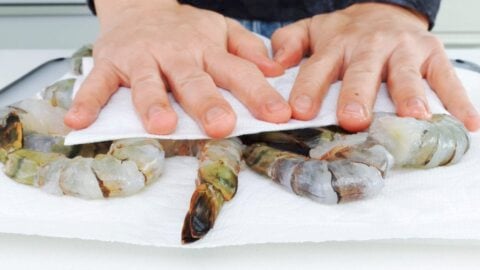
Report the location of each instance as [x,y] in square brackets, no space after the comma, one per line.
[405,38]
[195,78]
[147,80]
[246,71]
[363,69]
[406,71]
[365,54]
[91,101]
[332,45]
[280,33]
[213,49]
[375,39]
[332,51]
[449,74]
[97,101]
[102,49]
[106,68]
[147,77]
[307,84]
[253,93]
[433,42]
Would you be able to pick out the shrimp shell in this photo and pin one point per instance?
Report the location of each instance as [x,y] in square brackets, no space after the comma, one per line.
[327,182]
[126,169]
[11,131]
[85,51]
[440,141]
[39,116]
[60,93]
[217,182]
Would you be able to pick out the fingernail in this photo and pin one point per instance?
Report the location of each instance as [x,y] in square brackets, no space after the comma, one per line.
[354,109]
[274,106]
[303,103]
[279,54]
[155,110]
[472,113]
[214,114]
[417,106]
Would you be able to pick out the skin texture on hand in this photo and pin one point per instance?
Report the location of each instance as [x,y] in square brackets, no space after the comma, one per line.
[151,46]
[364,45]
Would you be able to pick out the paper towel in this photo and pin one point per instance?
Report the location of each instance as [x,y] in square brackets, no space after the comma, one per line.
[120,110]
[440,203]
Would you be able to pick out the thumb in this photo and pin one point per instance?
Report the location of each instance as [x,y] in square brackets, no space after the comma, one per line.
[248,46]
[290,43]
[93,94]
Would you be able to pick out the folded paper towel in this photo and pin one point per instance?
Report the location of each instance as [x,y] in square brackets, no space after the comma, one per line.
[440,203]
[120,110]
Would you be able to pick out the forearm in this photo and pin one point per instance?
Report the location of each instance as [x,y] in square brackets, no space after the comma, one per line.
[428,8]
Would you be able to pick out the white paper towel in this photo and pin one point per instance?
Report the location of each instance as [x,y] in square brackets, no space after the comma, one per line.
[120,110]
[441,203]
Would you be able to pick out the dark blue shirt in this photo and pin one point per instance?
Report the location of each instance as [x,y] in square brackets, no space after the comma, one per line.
[291,10]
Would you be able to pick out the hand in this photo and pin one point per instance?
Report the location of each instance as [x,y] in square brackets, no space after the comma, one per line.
[151,46]
[363,45]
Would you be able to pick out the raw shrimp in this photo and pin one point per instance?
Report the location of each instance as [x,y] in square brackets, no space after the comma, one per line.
[442,140]
[127,168]
[330,143]
[77,66]
[60,93]
[216,183]
[34,153]
[324,181]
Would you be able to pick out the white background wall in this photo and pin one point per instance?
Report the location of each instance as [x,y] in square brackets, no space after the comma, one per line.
[68,24]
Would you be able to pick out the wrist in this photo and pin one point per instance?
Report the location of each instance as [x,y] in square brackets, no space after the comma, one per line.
[109,11]
[387,9]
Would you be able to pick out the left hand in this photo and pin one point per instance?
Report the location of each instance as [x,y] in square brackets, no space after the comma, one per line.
[364,45]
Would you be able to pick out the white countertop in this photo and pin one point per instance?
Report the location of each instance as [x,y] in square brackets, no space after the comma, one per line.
[33,252]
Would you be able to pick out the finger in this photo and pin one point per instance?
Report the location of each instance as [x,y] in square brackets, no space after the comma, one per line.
[247,83]
[313,81]
[361,82]
[405,84]
[290,43]
[93,94]
[196,92]
[442,78]
[150,97]
[246,45]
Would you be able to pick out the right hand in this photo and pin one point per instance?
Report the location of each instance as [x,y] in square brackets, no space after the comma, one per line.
[151,47]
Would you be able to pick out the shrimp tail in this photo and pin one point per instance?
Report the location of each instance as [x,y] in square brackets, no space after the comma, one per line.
[205,205]
[217,182]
